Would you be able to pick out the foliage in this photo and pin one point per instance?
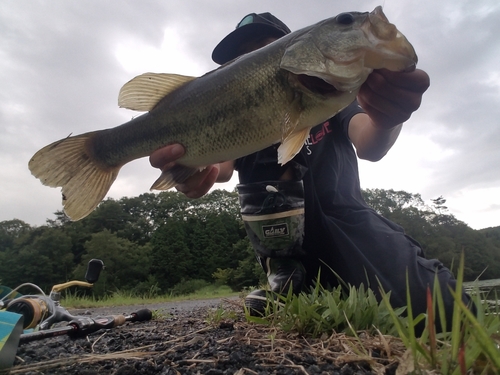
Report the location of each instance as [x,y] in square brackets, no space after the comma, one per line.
[170,255]
[126,263]
[152,242]
[216,316]
[248,272]
[39,255]
[147,289]
[188,287]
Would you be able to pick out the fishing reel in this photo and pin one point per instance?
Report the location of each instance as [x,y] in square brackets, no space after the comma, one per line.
[42,310]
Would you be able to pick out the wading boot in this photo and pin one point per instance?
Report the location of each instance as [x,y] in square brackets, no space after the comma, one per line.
[273,214]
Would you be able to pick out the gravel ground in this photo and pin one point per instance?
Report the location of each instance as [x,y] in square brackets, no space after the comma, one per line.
[191,338]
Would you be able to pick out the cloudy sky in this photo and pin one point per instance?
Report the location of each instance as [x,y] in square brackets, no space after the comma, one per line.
[63,62]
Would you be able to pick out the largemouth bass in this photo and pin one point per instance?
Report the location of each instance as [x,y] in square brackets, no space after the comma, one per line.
[274,94]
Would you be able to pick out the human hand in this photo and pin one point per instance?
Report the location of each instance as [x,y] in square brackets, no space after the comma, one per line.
[195,186]
[389,98]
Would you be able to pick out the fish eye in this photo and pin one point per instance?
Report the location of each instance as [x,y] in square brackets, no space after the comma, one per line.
[345,18]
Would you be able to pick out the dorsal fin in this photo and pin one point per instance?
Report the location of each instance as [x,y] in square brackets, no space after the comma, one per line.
[143,92]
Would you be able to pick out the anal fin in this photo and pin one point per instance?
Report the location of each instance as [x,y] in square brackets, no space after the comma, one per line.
[174,176]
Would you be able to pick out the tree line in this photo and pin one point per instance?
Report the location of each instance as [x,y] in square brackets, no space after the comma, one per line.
[163,243]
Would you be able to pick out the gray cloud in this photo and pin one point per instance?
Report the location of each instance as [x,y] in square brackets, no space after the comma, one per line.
[59,74]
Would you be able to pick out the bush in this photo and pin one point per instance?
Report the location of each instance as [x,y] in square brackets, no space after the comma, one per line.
[188,287]
[223,276]
[147,289]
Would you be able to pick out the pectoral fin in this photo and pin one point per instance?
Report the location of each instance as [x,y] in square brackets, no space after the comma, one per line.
[143,92]
[292,145]
[292,140]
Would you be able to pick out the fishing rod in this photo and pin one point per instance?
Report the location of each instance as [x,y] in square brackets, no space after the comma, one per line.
[82,326]
[41,312]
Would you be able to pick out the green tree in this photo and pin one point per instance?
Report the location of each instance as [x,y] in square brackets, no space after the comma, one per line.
[439,204]
[248,272]
[11,231]
[386,202]
[45,259]
[126,263]
[141,224]
[171,258]
[109,215]
[222,232]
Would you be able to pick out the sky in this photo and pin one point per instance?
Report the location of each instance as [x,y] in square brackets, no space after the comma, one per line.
[62,64]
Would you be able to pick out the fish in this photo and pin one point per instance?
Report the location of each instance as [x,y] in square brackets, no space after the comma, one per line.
[273,95]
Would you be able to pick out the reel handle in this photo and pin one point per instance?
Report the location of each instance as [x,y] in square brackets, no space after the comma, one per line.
[94,269]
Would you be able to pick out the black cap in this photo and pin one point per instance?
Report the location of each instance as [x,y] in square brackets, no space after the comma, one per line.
[252,26]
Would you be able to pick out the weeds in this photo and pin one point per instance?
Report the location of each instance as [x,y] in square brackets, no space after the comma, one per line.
[160,315]
[322,311]
[216,316]
[471,346]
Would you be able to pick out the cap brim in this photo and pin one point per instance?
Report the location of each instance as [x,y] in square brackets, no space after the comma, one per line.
[228,48]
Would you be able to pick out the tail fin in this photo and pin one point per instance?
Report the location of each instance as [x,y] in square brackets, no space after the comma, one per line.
[67,164]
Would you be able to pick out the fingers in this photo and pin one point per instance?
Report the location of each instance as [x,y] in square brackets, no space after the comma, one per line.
[195,186]
[200,183]
[382,109]
[165,157]
[389,98]
[417,80]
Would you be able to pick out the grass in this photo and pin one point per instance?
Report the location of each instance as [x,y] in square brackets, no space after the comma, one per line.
[472,345]
[120,298]
[218,315]
[322,311]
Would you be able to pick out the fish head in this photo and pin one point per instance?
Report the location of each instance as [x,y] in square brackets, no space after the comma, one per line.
[343,50]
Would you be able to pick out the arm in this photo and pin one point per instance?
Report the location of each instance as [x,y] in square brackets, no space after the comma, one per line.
[389,99]
[371,143]
[200,183]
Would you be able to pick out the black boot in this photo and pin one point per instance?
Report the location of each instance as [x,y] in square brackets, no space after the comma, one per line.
[273,213]
[283,274]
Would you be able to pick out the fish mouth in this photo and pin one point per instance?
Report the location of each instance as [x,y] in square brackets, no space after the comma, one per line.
[317,85]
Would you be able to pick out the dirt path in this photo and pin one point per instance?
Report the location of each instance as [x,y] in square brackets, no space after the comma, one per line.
[187,339]
[162,308]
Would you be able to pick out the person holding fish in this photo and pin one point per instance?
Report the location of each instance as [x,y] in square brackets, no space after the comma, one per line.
[309,214]
[291,112]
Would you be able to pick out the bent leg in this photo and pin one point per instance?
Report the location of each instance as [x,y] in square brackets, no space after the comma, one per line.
[273,214]
[365,248]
